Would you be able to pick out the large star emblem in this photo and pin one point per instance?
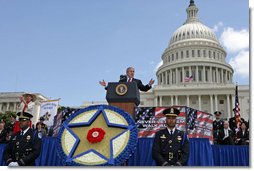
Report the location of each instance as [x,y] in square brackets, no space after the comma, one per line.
[103,149]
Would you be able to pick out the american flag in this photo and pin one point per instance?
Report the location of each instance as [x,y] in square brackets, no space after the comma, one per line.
[191,117]
[151,120]
[237,106]
[57,123]
[187,79]
[198,124]
[61,116]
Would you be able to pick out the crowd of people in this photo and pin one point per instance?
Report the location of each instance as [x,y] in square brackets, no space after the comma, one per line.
[231,132]
[10,128]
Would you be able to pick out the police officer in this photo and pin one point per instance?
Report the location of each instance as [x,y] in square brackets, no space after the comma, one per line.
[170,146]
[24,147]
[218,124]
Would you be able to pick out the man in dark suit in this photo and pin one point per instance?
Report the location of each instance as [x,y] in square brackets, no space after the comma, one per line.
[170,146]
[226,136]
[24,147]
[129,77]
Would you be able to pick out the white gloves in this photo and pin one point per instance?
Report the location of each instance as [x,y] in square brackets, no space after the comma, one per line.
[13,164]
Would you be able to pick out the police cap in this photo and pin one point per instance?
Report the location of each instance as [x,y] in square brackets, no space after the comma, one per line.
[24,116]
[171,112]
[217,113]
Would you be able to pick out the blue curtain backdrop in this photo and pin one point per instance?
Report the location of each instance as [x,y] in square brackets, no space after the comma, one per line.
[201,154]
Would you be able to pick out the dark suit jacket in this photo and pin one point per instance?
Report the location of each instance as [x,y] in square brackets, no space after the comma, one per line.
[3,135]
[232,123]
[227,141]
[23,149]
[170,148]
[140,85]
[242,137]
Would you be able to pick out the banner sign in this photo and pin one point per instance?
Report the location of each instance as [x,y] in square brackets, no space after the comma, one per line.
[48,111]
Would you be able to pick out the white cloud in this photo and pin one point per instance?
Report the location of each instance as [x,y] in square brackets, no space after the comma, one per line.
[217,26]
[235,41]
[240,63]
[158,66]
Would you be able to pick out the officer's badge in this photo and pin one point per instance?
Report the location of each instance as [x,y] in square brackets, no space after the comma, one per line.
[163,136]
[28,137]
[39,135]
[179,138]
[17,143]
[170,141]
[170,155]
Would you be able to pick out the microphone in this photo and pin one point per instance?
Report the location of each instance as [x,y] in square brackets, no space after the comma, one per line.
[123,77]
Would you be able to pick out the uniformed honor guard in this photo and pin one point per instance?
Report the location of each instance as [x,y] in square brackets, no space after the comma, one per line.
[170,146]
[24,147]
[218,124]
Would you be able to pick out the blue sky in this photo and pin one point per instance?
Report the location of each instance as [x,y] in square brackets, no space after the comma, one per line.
[63,48]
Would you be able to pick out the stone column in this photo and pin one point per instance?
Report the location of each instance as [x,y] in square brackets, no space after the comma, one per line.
[211,75]
[183,74]
[199,102]
[15,107]
[8,106]
[233,103]
[211,103]
[188,101]
[172,100]
[176,97]
[166,77]
[1,105]
[160,100]
[217,75]
[177,76]
[221,75]
[172,76]
[156,101]
[228,106]
[197,76]
[204,78]
[216,102]
[190,71]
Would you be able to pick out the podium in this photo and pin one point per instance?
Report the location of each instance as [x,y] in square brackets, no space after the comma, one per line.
[123,95]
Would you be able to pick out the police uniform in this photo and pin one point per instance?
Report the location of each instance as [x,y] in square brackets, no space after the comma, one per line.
[23,149]
[217,125]
[170,150]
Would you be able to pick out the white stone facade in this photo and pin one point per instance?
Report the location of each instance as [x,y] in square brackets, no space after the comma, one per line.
[195,51]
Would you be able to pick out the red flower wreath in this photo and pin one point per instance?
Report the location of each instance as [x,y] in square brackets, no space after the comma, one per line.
[95,135]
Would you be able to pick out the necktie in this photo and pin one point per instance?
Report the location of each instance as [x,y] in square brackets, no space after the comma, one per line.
[129,80]
[21,133]
[171,132]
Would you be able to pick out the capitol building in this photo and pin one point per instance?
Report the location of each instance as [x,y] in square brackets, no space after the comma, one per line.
[195,73]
